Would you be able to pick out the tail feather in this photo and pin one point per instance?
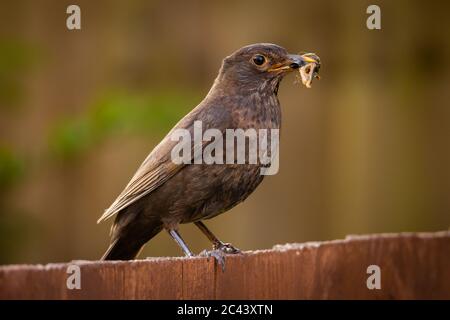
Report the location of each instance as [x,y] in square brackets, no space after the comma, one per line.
[120,250]
[130,237]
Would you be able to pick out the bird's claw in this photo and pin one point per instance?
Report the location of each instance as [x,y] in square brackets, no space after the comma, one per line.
[226,248]
[219,253]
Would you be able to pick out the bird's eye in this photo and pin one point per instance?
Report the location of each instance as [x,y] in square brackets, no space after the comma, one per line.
[259,59]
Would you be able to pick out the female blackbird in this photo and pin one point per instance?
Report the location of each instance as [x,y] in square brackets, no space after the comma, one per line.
[164,193]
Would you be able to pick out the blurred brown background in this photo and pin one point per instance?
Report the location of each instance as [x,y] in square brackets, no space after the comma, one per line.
[366,150]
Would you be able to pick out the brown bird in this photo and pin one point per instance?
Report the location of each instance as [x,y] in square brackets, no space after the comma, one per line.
[163,194]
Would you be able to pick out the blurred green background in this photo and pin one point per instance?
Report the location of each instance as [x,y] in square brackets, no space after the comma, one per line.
[366,150]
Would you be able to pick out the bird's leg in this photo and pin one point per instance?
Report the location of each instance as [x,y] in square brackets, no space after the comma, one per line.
[176,236]
[217,244]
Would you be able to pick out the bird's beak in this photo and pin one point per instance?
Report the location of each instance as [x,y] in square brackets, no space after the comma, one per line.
[295,61]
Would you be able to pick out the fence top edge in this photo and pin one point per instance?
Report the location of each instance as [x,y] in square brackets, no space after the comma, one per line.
[275,249]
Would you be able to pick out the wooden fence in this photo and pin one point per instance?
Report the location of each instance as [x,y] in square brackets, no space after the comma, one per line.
[411,266]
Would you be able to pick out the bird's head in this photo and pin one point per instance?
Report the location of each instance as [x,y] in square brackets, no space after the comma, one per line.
[261,65]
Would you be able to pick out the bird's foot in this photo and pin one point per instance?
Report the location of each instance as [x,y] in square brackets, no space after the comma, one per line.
[219,253]
[226,248]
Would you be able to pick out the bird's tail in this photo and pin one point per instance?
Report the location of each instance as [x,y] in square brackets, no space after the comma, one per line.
[118,250]
[127,245]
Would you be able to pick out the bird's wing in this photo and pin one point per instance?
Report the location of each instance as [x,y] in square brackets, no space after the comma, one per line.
[153,172]
[158,167]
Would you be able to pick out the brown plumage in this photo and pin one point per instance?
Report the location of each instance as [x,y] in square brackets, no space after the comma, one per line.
[162,194]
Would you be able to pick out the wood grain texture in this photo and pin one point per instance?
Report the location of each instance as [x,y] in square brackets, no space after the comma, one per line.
[413,266]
